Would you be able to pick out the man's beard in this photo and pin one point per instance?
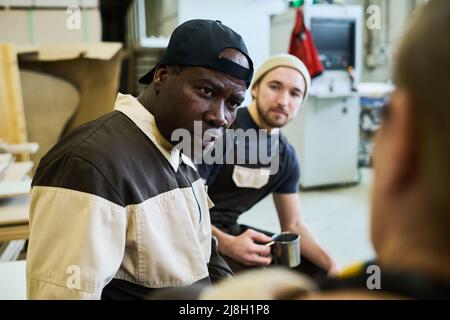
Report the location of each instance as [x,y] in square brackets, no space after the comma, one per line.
[266,119]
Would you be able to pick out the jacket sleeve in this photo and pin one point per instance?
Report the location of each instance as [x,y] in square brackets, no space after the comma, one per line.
[77,234]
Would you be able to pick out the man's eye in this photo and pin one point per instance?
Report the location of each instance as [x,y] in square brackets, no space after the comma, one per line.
[207,92]
[275,88]
[234,104]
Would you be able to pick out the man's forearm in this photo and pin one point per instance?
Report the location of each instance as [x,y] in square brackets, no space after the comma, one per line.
[310,247]
[221,237]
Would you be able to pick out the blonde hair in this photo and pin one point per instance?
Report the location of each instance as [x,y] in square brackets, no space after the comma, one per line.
[423,69]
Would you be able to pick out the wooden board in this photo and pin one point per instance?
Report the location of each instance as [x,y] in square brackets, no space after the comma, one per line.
[5,162]
[14,218]
[12,118]
[14,211]
[16,232]
[49,103]
[9,189]
[16,171]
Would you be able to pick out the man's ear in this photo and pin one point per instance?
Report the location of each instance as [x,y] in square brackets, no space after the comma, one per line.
[255,90]
[404,146]
[160,77]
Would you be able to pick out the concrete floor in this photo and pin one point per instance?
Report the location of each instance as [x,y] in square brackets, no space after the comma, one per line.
[338,217]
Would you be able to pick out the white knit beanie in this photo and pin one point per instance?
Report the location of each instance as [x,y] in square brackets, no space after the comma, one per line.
[283,60]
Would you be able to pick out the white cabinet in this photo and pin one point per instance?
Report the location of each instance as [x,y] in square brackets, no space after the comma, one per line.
[325,135]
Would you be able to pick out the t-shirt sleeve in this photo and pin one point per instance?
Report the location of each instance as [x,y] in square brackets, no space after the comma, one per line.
[291,175]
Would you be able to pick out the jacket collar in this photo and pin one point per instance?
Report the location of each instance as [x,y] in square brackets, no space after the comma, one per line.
[145,121]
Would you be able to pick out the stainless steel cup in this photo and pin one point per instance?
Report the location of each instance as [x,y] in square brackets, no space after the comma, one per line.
[286,249]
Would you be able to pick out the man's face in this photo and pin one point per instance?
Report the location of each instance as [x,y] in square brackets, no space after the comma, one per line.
[394,164]
[199,96]
[279,96]
[381,177]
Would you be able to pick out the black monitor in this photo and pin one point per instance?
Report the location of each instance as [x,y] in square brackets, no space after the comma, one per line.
[335,41]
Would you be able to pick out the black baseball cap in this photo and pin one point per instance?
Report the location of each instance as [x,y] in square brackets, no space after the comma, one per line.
[198,43]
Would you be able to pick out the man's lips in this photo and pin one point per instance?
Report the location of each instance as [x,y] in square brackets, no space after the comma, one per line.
[281,112]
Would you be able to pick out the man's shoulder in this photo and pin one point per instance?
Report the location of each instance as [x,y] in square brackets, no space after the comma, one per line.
[82,139]
[105,157]
[108,144]
[108,138]
[287,149]
[243,120]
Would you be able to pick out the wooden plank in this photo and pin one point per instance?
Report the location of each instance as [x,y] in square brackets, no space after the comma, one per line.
[15,232]
[4,117]
[5,162]
[27,147]
[16,171]
[10,189]
[14,211]
[14,218]
[12,118]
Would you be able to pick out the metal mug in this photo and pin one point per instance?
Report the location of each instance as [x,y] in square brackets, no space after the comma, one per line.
[286,249]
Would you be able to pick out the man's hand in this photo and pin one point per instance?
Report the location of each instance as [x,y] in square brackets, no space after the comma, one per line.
[244,250]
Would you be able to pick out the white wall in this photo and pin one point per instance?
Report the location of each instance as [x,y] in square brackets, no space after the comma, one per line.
[249,18]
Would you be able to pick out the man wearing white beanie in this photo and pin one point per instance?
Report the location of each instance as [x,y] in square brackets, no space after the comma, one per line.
[279,89]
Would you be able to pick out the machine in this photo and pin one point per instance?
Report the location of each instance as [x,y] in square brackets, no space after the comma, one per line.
[326,131]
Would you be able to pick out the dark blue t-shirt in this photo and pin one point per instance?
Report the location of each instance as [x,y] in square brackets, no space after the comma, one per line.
[235,188]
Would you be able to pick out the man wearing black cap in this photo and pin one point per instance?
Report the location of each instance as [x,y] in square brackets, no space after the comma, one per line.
[116,209]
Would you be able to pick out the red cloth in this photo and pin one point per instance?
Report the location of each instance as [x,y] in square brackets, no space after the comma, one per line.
[302,46]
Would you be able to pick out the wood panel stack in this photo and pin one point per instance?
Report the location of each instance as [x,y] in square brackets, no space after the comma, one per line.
[12,119]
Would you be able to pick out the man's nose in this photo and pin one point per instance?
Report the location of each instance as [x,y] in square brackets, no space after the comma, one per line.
[283,98]
[216,114]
